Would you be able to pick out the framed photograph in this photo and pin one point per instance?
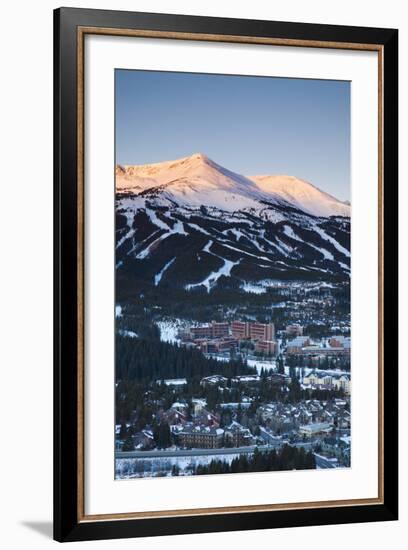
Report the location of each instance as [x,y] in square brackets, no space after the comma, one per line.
[225,274]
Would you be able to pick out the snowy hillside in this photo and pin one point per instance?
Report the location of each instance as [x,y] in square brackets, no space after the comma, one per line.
[197,180]
[302,195]
[195,225]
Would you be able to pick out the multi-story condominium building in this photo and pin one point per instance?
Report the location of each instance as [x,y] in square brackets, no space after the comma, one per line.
[212,330]
[220,330]
[261,331]
[199,437]
[243,330]
[294,330]
[240,330]
[220,345]
[203,331]
[267,347]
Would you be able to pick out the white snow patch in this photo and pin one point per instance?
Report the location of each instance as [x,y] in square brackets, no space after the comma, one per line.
[155,220]
[211,280]
[144,253]
[198,228]
[169,330]
[330,239]
[266,365]
[128,333]
[158,277]
[253,288]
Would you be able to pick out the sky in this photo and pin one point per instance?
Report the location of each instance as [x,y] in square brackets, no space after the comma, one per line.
[250,125]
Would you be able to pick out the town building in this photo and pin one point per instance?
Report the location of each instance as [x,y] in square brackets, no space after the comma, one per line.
[339,342]
[174,416]
[330,380]
[246,379]
[174,381]
[302,345]
[261,331]
[240,330]
[211,330]
[214,380]
[220,330]
[315,428]
[236,435]
[205,418]
[203,331]
[201,437]
[343,382]
[267,347]
[296,345]
[218,346]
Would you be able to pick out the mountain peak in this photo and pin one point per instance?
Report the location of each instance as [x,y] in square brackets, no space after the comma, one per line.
[199,156]
[198,180]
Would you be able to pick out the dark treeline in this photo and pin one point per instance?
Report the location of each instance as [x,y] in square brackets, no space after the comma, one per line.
[288,458]
[202,306]
[147,360]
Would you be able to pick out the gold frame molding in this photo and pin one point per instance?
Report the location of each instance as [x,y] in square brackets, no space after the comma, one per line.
[82,31]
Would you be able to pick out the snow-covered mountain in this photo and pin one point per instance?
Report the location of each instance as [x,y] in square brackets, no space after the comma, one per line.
[302,195]
[194,224]
[199,180]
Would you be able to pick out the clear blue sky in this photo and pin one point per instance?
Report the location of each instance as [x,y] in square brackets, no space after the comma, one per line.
[251,125]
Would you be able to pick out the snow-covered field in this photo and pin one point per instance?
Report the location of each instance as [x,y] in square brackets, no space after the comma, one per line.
[169,329]
[262,364]
[126,468]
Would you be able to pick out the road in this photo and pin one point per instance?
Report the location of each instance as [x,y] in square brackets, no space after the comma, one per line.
[193,452]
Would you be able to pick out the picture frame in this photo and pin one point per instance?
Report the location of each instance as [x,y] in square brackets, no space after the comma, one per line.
[71,27]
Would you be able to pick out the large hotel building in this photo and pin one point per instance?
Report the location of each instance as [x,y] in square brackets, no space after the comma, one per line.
[242,330]
[212,330]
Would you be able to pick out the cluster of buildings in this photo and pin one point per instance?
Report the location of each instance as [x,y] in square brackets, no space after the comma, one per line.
[334,346]
[313,423]
[308,418]
[218,337]
[249,380]
[201,429]
[318,379]
[205,437]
